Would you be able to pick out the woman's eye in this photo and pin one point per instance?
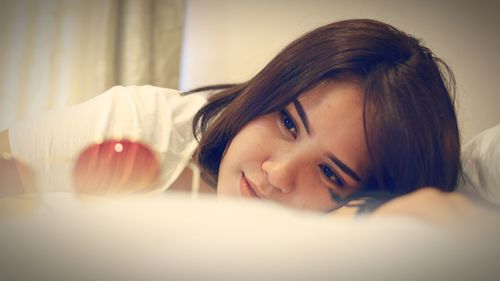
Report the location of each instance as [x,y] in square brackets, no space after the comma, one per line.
[288,122]
[330,174]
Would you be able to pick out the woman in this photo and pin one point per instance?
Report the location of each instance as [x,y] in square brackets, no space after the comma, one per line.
[354,109]
[364,109]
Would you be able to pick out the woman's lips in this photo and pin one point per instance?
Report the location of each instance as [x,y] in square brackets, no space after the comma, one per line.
[246,189]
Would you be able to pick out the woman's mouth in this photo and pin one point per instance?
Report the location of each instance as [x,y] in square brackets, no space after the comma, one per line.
[246,189]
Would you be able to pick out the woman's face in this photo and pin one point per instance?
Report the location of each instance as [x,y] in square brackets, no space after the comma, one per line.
[303,156]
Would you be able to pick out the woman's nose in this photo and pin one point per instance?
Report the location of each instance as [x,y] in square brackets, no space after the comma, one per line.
[281,174]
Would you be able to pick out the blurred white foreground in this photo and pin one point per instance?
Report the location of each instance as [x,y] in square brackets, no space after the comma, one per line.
[176,238]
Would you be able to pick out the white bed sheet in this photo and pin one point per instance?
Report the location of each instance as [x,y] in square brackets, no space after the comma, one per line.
[177,238]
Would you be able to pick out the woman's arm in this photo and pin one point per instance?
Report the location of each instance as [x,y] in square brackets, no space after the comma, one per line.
[4,143]
[15,177]
[433,206]
[438,207]
[51,144]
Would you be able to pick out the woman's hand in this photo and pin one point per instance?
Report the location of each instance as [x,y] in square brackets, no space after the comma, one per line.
[432,206]
[15,177]
[436,207]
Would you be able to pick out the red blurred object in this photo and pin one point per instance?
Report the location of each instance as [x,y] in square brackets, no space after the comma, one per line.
[116,167]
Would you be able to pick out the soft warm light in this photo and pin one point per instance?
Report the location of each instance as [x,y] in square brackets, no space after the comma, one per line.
[118,147]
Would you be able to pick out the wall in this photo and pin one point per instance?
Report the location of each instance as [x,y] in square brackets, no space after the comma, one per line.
[229,41]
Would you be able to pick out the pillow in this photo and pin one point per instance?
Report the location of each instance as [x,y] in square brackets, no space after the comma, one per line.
[481,167]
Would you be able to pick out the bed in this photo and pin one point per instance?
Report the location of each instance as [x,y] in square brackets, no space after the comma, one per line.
[178,238]
[58,235]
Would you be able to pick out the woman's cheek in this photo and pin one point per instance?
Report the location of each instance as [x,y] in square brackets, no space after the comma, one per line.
[261,130]
[255,141]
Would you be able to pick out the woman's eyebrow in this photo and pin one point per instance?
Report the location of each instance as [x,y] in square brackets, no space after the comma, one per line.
[345,168]
[302,114]
[305,121]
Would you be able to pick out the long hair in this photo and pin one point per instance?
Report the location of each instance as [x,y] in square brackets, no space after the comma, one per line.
[409,117]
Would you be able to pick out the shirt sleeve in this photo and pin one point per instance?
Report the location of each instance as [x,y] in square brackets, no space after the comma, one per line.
[159,118]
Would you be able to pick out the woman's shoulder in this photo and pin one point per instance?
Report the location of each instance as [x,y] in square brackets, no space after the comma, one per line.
[147,91]
[152,100]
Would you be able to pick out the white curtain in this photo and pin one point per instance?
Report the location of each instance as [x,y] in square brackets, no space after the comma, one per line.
[56,53]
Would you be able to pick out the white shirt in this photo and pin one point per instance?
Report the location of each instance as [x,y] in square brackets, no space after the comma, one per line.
[157,117]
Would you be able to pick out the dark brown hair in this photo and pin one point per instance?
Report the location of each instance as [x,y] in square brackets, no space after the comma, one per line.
[409,117]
